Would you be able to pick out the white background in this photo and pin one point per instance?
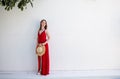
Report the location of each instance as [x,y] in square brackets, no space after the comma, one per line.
[85,35]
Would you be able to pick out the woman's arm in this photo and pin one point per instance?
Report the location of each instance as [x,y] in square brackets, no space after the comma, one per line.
[48,37]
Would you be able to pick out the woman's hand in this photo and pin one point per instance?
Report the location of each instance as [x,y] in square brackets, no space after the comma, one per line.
[41,44]
[44,43]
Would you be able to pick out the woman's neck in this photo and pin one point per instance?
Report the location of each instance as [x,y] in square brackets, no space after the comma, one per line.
[42,28]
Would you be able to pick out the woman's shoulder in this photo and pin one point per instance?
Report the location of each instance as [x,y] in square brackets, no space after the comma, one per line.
[39,31]
[46,30]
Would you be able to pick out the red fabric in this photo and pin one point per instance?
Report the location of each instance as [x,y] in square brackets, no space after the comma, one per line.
[43,61]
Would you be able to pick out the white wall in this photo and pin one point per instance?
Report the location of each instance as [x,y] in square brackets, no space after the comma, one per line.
[108,34]
[84,35]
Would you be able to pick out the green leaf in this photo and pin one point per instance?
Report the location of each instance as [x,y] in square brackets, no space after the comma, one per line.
[21,4]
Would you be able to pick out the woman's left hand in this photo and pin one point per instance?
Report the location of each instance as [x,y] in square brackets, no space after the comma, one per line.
[43,43]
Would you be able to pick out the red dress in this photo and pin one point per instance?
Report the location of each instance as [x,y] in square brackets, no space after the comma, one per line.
[43,61]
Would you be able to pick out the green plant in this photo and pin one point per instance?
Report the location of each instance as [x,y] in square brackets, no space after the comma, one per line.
[9,4]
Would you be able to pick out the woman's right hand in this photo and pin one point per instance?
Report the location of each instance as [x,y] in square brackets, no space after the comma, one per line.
[40,44]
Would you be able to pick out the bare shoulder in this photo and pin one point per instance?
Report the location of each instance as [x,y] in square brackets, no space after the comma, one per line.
[46,31]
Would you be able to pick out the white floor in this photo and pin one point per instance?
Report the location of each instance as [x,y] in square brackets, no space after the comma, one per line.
[93,74]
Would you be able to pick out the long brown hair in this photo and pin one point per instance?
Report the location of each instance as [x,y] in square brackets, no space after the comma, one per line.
[41,24]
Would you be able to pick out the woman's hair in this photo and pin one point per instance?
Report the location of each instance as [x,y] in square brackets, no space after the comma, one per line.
[41,24]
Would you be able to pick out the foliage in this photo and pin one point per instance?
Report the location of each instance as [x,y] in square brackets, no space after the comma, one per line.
[9,4]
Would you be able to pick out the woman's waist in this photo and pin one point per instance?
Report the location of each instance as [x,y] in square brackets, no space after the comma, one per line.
[41,41]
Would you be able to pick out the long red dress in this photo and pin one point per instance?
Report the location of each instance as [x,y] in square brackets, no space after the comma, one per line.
[43,61]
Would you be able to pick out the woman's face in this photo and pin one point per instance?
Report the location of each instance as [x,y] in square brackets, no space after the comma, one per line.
[43,23]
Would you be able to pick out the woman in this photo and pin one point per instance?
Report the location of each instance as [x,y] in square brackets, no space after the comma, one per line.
[43,38]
